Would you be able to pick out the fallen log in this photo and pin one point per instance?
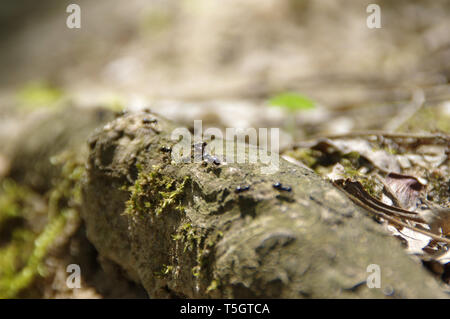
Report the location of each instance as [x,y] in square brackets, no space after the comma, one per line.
[44,134]
[224,230]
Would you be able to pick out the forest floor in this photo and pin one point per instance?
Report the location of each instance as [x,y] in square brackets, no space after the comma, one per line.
[367,109]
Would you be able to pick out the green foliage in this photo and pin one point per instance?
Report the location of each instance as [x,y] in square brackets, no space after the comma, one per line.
[23,252]
[156,20]
[213,286]
[166,270]
[292,101]
[12,279]
[115,103]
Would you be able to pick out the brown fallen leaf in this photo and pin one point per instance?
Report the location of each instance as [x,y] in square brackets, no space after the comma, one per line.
[406,189]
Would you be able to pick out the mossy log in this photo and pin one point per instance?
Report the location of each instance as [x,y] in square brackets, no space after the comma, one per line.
[187,230]
[47,133]
[40,197]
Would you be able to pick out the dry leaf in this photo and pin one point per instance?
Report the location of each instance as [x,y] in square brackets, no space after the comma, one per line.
[406,189]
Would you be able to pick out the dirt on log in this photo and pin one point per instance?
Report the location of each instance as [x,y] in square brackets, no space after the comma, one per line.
[221,229]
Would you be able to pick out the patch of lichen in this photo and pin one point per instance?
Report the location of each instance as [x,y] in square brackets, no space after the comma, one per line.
[23,250]
[155,192]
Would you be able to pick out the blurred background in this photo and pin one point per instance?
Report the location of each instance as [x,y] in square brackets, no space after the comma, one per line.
[224,61]
[309,67]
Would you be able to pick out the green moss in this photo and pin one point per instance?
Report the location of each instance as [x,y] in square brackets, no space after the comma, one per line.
[215,284]
[371,187]
[166,270]
[349,168]
[155,192]
[352,163]
[204,251]
[16,266]
[13,280]
[22,255]
[305,155]
[196,270]
[386,148]
[192,238]
[189,235]
[66,192]
[351,171]
[156,20]
[427,119]
[12,198]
